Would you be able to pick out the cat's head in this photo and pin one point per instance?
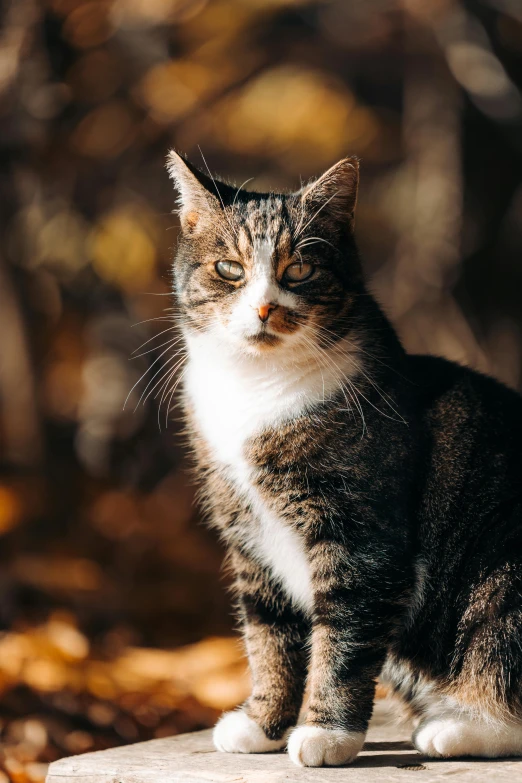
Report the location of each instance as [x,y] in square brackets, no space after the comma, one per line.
[266,274]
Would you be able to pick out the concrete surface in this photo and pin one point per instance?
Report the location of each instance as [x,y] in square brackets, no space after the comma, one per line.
[190,758]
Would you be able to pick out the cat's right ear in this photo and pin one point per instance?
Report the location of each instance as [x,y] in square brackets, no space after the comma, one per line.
[199,199]
[334,194]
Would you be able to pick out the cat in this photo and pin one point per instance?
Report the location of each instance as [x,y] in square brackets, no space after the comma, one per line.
[370,500]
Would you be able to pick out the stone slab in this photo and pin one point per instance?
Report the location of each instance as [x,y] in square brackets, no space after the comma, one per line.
[388,755]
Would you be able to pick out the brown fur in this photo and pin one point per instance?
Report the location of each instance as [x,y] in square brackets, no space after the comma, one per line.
[403,487]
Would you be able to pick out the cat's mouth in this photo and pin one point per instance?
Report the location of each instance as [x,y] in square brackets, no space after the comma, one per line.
[263,339]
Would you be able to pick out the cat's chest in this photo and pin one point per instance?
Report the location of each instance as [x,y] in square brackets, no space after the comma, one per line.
[234,404]
[227,416]
[230,410]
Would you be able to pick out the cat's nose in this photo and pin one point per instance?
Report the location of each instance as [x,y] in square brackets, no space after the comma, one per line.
[265,310]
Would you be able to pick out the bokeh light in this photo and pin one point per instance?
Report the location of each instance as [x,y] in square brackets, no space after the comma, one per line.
[115,621]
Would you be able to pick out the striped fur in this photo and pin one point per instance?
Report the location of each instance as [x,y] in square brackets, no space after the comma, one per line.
[371,501]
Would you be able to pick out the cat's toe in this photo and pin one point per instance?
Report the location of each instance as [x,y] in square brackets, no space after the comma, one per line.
[458,738]
[314,746]
[424,737]
[235,732]
[450,737]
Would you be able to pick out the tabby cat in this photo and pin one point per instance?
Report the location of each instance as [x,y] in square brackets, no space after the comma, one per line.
[370,500]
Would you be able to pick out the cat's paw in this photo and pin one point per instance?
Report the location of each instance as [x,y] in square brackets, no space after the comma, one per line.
[449,737]
[441,737]
[235,732]
[314,746]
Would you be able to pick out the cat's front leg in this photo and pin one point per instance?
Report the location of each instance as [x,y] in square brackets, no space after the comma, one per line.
[351,623]
[275,638]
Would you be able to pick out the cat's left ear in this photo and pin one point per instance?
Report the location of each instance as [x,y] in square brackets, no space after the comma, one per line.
[200,198]
[335,192]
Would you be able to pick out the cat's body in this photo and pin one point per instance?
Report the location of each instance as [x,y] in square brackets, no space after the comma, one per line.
[371,500]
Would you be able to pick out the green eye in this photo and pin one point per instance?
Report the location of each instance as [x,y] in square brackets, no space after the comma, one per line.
[229,270]
[296,273]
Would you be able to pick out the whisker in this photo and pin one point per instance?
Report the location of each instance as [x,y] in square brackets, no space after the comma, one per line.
[152,379]
[149,320]
[177,383]
[362,350]
[307,241]
[158,382]
[384,396]
[167,388]
[327,362]
[155,348]
[297,229]
[142,377]
[239,189]
[352,391]
[234,231]
[323,205]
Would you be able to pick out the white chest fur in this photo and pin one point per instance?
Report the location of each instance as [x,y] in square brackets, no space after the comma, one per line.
[233,400]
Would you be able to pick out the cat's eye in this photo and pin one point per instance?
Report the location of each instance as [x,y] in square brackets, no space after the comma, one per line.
[229,270]
[297,273]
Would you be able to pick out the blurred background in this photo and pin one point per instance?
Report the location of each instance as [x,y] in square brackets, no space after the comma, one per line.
[115,622]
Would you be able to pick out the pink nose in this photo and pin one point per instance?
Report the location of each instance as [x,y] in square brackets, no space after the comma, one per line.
[265,310]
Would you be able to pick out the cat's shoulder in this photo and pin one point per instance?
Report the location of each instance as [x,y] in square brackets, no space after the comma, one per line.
[438,379]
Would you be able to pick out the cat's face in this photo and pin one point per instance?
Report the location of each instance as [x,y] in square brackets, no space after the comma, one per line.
[267,275]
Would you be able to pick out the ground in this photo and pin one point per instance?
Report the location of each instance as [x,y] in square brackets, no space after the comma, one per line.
[388,755]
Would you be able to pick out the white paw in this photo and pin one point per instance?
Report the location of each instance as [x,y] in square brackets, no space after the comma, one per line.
[313,746]
[442,737]
[235,732]
[460,737]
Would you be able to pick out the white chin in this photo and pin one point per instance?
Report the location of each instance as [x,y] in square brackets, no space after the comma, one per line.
[258,344]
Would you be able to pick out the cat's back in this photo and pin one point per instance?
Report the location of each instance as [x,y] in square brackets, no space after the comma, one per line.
[439,382]
[472,423]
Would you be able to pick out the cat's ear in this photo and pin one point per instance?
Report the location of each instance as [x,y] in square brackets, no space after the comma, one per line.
[335,192]
[200,198]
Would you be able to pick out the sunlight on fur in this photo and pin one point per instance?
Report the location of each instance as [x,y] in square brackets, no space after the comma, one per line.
[369,499]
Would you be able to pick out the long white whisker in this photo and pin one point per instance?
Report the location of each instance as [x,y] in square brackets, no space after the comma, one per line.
[148,320]
[166,391]
[172,394]
[160,380]
[143,376]
[154,336]
[297,229]
[378,390]
[239,189]
[160,370]
[324,358]
[351,390]
[307,241]
[323,205]
[385,397]
[173,341]
[234,231]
